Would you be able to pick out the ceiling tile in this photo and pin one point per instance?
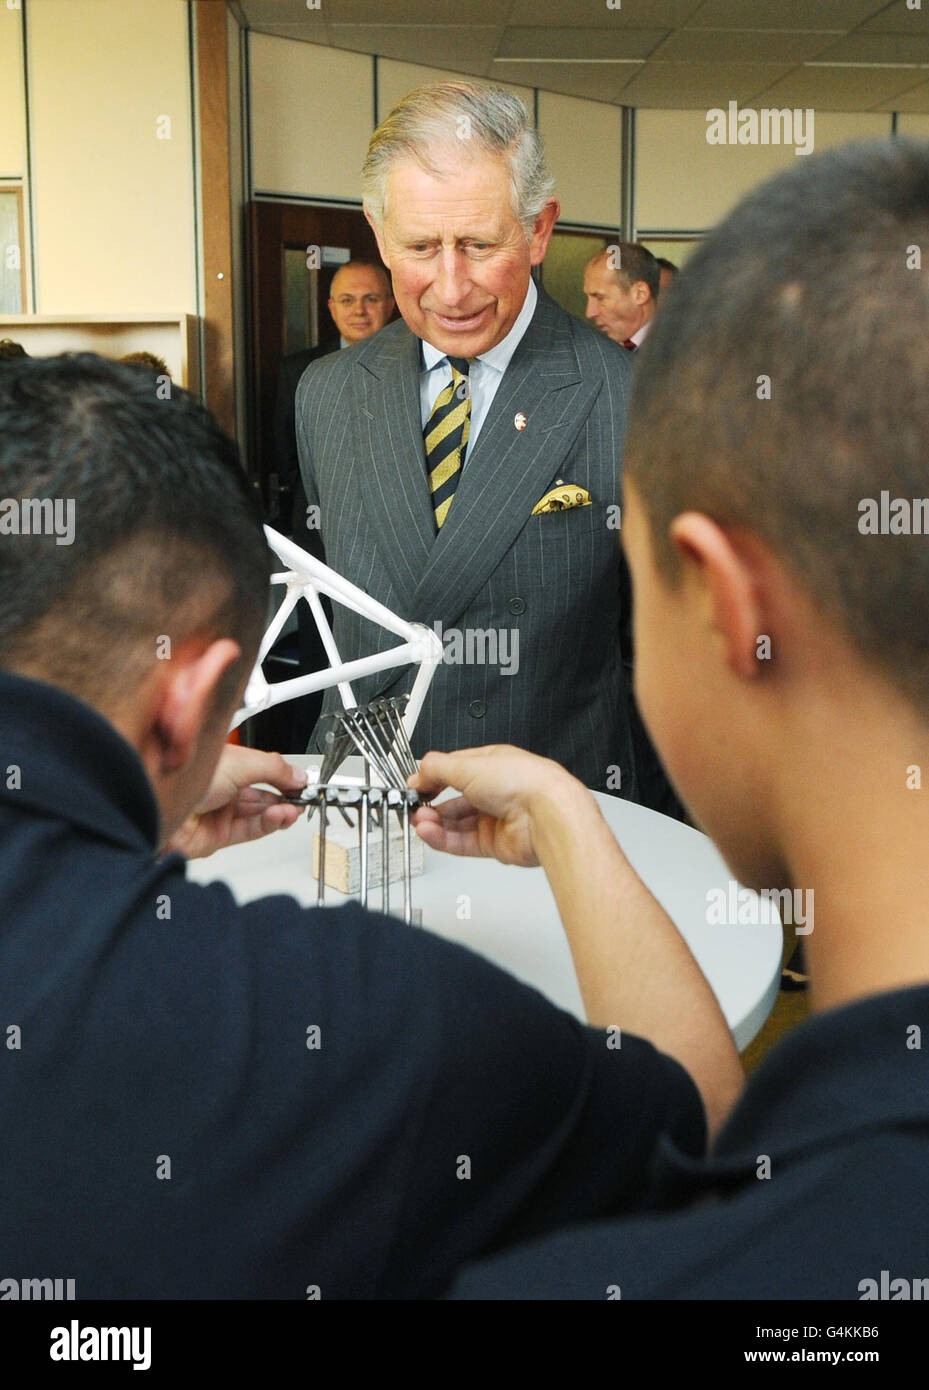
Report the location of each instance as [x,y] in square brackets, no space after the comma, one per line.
[658,14]
[579,43]
[740,46]
[262,12]
[301,32]
[838,89]
[879,48]
[897,19]
[466,47]
[915,99]
[679,85]
[422,12]
[729,49]
[784,14]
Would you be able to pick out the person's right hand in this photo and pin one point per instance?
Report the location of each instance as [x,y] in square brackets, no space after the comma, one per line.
[501,788]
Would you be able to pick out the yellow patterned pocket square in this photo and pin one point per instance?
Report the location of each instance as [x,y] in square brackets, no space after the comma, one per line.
[562,497]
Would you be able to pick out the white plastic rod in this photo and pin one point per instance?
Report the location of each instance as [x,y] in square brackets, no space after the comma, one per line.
[328,582]
[287,605]
[332,675]
[332,651]
[430,661]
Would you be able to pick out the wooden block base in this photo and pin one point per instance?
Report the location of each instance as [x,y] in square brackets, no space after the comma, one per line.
[343,855]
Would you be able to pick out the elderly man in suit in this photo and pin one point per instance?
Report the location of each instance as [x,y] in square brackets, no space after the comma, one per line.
[465,460]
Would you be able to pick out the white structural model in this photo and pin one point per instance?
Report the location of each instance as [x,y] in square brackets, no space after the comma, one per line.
[307,578]
[379,731]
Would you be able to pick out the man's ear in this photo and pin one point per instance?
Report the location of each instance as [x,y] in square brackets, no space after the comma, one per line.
[187,699]
[378,236]
[730,597]
[542,230]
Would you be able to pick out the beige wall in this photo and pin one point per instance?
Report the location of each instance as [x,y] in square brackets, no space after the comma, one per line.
[12,96]
[14,233]
[312,110]
[913,125]
[114,204]
[677,251]
[395,79]
[583,143]
[683,183]
[312,113]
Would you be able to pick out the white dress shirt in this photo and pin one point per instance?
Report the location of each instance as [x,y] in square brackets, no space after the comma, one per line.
[639,337]
[485,375]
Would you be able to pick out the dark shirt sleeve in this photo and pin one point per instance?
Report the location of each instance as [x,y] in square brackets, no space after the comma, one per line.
[532,1121]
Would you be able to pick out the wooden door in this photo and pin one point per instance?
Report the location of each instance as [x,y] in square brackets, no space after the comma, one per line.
[280,238]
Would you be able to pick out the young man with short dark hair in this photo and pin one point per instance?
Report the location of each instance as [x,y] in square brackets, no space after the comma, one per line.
[783,670]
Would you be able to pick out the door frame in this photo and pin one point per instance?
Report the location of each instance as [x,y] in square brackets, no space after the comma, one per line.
[275,227]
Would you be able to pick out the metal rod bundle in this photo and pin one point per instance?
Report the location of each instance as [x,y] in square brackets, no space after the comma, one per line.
[375,731]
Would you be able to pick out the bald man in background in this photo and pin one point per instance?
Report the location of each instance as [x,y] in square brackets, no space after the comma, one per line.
[622,286]
[360,302]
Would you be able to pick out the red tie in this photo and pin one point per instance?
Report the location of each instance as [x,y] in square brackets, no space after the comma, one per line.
[628,343]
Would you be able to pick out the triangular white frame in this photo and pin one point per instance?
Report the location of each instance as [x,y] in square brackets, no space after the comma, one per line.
[307,578]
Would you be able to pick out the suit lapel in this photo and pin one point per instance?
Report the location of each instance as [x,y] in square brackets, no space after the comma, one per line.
[389,439]
[510,468]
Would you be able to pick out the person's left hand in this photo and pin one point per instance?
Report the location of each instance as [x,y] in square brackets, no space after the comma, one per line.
[504,790]
[234,810]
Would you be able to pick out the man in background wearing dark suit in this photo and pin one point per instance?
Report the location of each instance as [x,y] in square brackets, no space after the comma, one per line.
[622,287]
[360,303]
[466,461]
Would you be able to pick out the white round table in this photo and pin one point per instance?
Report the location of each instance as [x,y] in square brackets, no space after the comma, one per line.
[509,914]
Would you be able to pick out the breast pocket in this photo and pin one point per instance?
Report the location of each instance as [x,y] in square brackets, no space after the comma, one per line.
[579,525]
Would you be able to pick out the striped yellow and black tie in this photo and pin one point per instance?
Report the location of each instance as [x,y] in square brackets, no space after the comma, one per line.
[446,436]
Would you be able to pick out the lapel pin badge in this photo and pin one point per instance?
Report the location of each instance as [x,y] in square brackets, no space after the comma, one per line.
[520,420]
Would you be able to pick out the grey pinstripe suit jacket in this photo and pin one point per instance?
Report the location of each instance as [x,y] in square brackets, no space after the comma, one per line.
[554,577]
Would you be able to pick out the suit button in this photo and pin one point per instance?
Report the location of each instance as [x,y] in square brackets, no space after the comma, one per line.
[517,605]
[477,709]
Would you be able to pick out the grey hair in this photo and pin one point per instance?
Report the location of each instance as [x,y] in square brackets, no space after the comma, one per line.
[447,115]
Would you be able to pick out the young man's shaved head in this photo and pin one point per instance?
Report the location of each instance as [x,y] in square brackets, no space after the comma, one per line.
[149,602]
[791,356]
[166,542]
[782,655]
